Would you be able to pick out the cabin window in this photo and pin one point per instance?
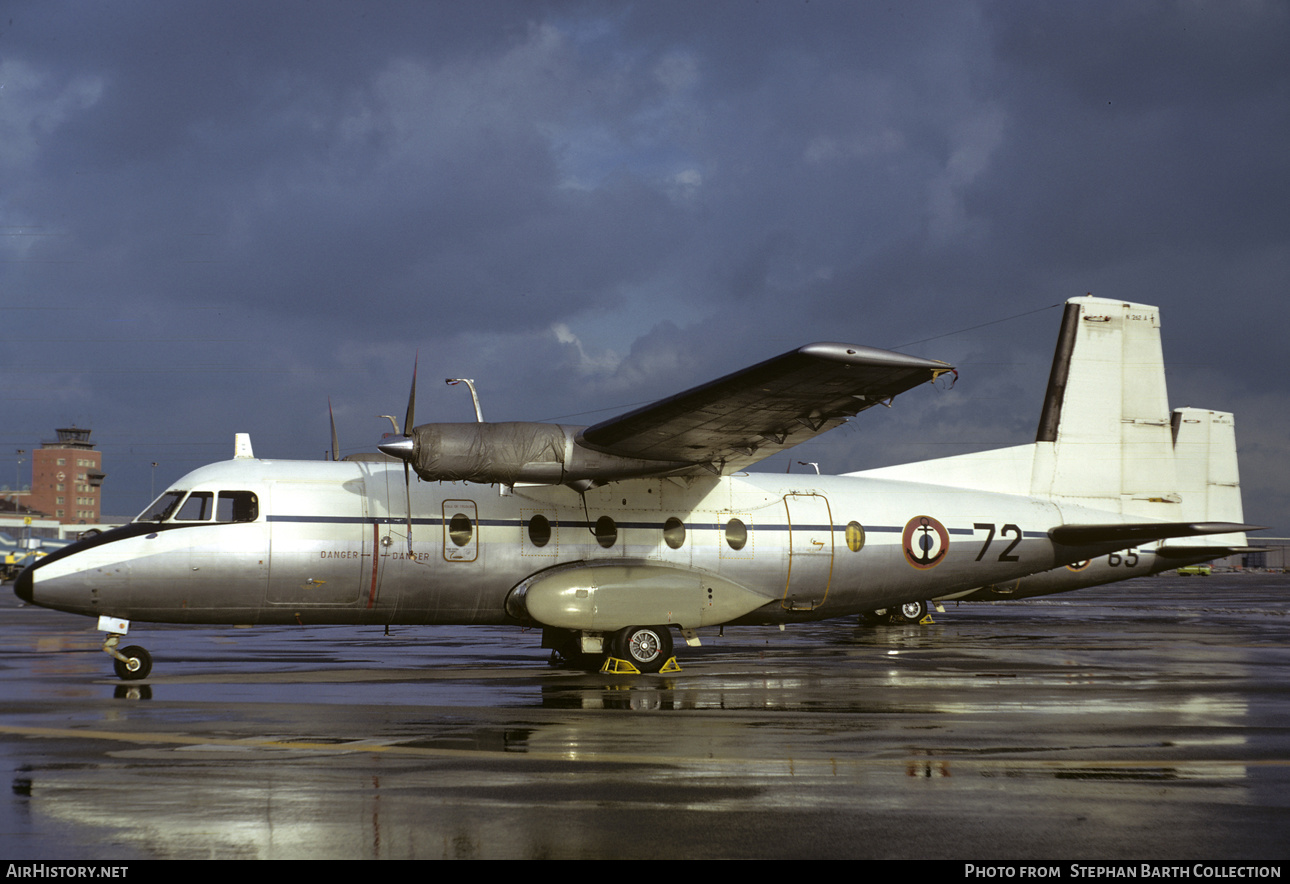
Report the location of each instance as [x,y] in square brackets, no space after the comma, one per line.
[237,506]
[855,536]
[162,507]
[460,529]
[540,530]
[736,534]
[674,532]
[197,508]
[606,531]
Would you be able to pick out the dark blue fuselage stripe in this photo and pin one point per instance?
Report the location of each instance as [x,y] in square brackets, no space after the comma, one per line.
[519,523]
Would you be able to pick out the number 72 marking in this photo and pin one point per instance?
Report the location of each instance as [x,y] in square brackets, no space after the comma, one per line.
[1006,555]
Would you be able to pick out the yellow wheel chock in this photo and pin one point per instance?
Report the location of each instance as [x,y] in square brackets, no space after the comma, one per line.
[616,665]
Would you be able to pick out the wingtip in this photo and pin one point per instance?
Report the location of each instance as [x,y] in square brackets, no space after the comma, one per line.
[859,354]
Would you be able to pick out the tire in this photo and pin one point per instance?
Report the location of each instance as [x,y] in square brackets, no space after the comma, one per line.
[645,647]
[139,665]
[912,612]
[873,618]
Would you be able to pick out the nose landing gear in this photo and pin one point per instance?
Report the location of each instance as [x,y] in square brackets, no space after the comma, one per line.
[131,663]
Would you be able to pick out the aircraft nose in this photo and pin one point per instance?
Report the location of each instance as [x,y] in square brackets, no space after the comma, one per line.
[22,586]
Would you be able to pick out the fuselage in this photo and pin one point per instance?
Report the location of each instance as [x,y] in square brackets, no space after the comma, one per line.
[251,541]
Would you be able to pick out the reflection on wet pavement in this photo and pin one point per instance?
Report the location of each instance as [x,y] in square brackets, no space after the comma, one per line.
[1146,720]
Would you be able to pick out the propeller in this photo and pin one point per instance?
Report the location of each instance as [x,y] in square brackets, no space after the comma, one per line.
[407,434]
[405,448]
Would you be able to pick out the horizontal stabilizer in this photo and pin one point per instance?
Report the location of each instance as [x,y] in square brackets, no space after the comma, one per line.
[1171,551]
[1133,533]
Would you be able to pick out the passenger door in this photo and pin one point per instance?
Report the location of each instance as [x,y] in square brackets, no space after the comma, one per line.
[810,557]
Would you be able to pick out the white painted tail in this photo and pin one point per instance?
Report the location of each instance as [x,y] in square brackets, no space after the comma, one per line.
[1106,437]
[1209,481]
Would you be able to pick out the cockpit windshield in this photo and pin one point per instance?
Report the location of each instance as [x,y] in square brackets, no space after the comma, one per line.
[162,507]
[229,506]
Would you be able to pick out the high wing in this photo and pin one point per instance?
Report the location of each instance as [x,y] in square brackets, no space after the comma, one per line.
[720,427]
[730,423]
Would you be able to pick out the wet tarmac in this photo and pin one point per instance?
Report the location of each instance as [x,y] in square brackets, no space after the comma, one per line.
[1144,720]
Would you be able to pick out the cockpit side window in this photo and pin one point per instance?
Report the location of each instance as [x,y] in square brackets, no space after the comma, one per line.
[237,506]
[162,507]
[197,508]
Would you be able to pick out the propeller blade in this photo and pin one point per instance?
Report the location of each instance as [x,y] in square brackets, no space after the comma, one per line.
[409,446]
[407,487]
[335,444]
[412,399]
[402,446]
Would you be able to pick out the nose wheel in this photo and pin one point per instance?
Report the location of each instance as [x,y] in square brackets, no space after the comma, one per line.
[131,663]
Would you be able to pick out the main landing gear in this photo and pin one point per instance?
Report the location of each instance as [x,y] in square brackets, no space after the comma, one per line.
[646,648]
[633,649]
[909,612]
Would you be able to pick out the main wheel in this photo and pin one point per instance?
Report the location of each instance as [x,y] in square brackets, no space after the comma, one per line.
[913,612]
[645,647]
[137,663]
[873,618]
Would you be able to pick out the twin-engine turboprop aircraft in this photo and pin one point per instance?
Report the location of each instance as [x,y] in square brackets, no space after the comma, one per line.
[610,537]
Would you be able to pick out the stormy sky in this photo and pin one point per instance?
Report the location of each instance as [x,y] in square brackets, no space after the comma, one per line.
[216,216]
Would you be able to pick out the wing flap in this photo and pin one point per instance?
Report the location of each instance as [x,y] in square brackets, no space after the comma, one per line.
[737,420]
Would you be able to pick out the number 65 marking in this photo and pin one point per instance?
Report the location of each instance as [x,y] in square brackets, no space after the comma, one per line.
[1006,555]
[1129,560]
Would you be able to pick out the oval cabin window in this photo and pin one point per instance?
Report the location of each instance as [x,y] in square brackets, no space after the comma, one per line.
[460,529]
[606,531]
[539,530]
[736,534]
[674,532]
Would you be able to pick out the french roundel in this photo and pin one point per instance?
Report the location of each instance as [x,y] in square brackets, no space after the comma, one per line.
[925,542]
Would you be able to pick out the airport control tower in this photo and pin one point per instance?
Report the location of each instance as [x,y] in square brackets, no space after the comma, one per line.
[66,477]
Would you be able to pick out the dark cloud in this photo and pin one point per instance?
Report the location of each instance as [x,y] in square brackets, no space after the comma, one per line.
[218,215]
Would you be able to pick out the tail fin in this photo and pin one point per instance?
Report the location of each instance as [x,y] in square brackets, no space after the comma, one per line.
[1106,438]
[1209,481]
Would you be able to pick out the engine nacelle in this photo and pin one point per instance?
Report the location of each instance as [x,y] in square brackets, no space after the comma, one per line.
[511,452]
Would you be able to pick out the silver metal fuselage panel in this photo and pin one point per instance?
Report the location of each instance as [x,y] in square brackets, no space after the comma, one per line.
[329,545]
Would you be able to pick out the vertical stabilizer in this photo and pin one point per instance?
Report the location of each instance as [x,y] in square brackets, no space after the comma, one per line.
[1105,440]
[1106,437]
[1205,454]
